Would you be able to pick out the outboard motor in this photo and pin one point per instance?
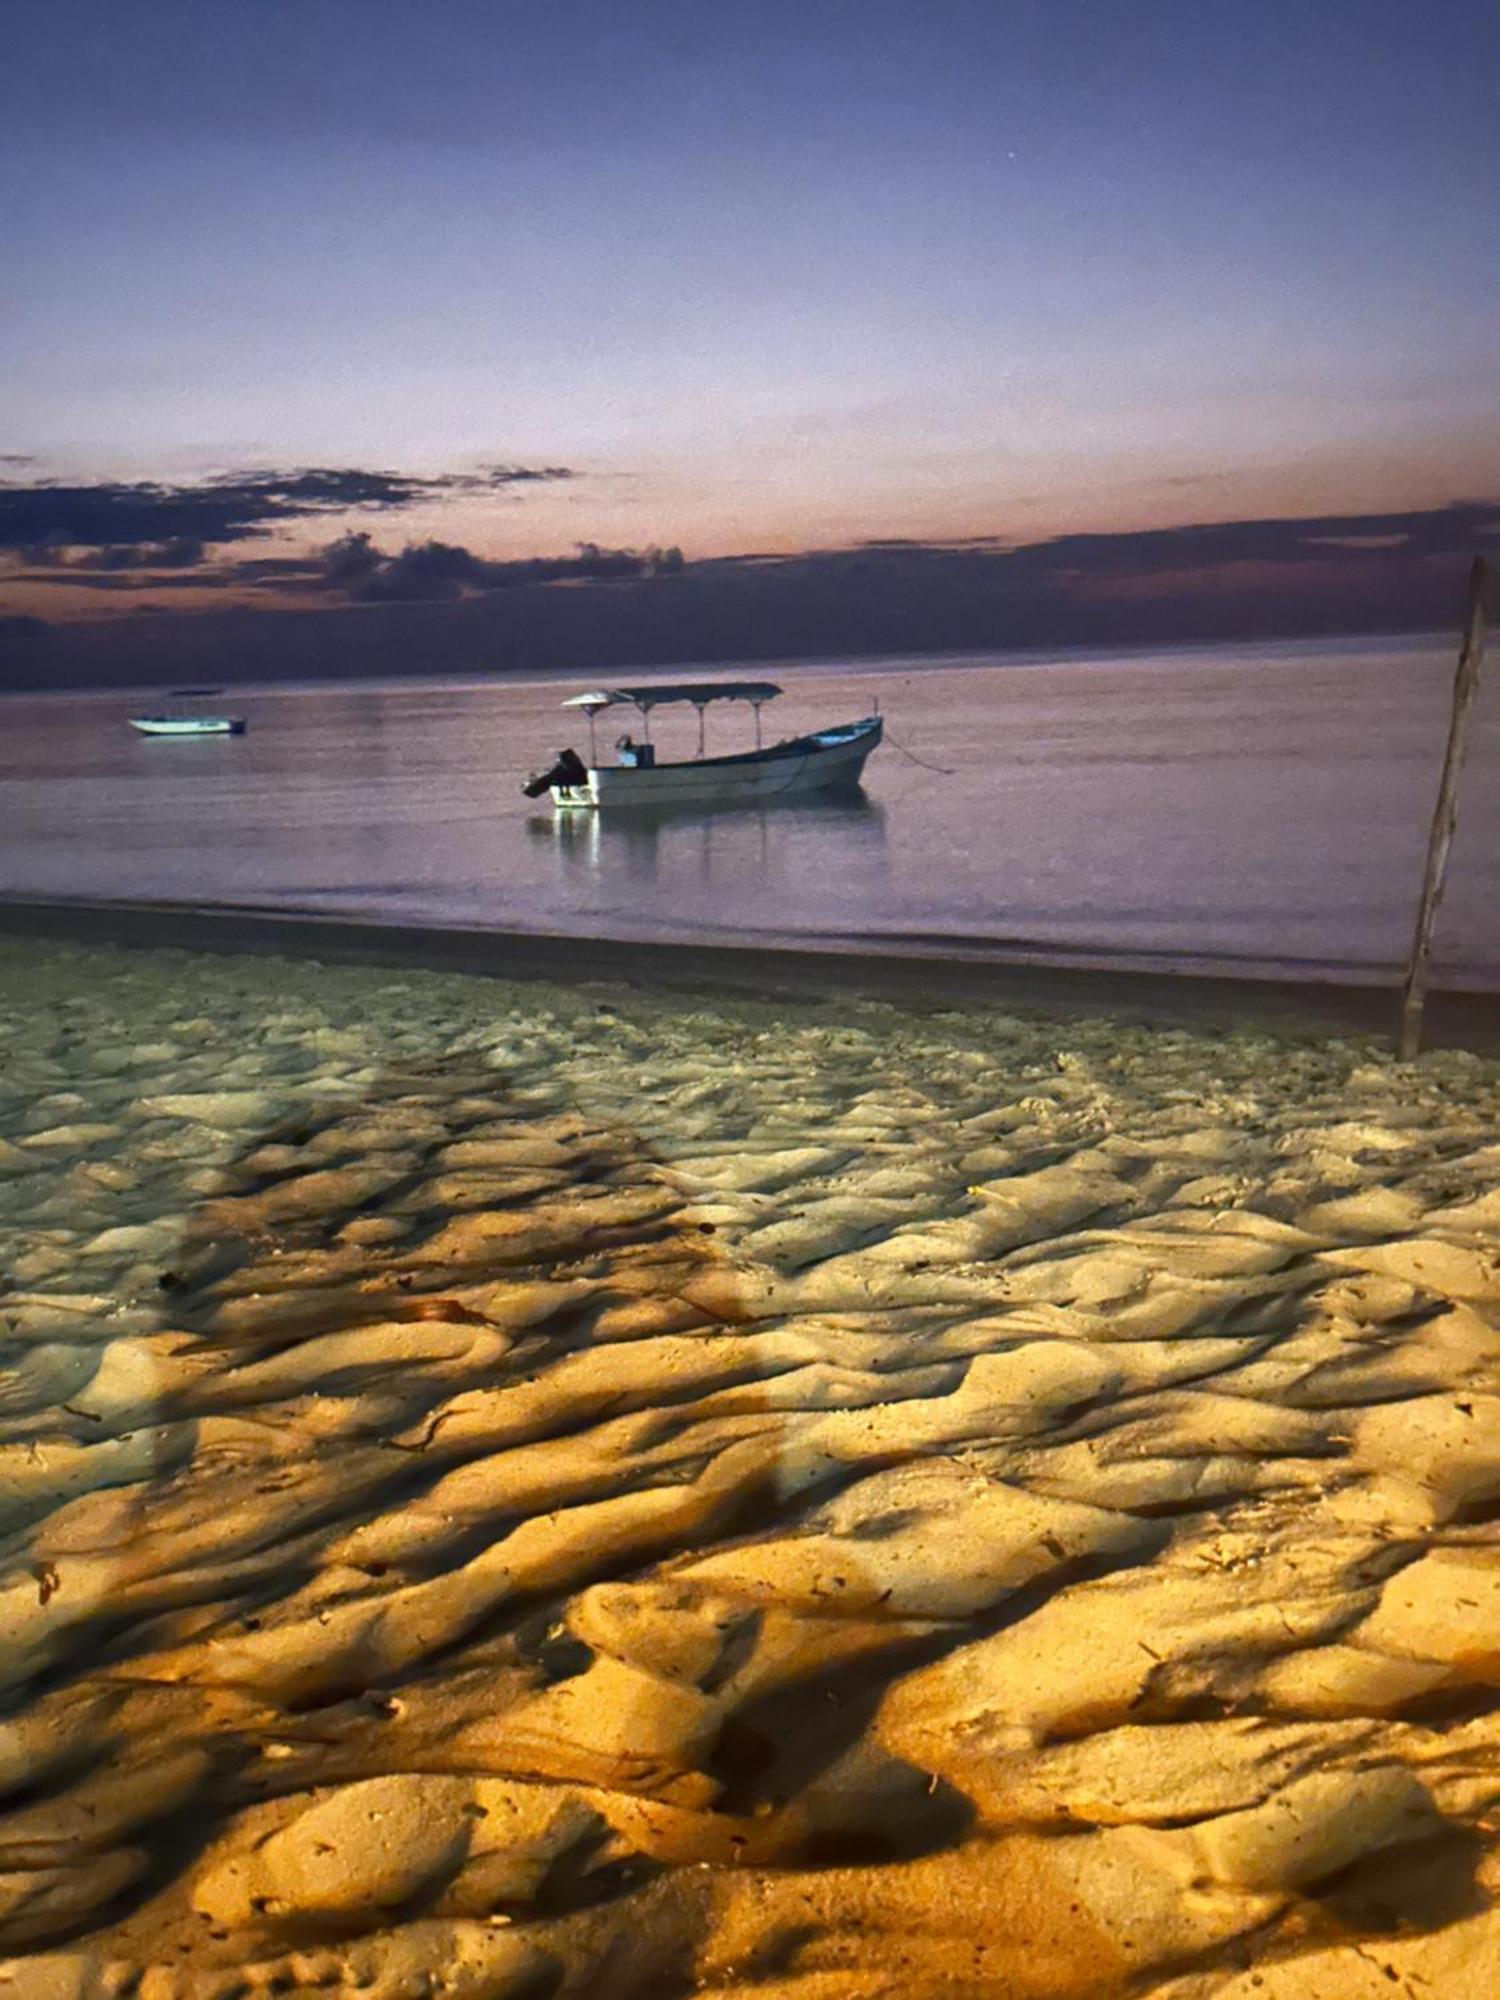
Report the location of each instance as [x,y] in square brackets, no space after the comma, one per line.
[569,769]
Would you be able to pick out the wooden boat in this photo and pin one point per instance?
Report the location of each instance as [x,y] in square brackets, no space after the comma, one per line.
[189,725]
[827,760]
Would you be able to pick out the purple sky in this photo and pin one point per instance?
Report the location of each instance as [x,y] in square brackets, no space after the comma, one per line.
[759,276]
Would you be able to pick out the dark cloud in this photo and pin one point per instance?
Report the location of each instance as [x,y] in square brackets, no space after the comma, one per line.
[17,458]
[423,570]
[358,610]
[350,559]
[1353,538]
[183,552]
[321,487]
[326,487]
[433,571]
[917,542]
[1139,553]
[121,582]
[513,475]
[118,555]
[270,569]
[45,515]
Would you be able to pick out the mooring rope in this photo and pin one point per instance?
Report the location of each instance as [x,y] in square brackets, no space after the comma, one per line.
[943,770]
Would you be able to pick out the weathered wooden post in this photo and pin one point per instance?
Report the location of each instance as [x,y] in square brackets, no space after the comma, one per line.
[1444,817]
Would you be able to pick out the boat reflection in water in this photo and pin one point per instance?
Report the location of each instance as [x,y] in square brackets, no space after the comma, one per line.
[796,867]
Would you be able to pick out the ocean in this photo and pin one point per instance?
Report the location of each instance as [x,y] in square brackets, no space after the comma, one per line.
[1255,810]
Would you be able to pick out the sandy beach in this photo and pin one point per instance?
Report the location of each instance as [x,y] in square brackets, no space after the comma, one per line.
[564,1486]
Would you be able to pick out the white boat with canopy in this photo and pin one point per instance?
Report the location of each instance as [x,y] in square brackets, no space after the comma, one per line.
[827,760]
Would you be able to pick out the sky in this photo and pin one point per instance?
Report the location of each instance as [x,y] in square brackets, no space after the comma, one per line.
[725,279]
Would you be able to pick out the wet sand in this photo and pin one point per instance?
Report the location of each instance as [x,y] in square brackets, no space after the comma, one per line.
[907,972]
[552,1485]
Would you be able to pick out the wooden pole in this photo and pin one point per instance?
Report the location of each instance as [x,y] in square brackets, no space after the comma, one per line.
[1444,818]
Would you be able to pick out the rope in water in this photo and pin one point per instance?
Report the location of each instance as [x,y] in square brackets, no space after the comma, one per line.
[943,770]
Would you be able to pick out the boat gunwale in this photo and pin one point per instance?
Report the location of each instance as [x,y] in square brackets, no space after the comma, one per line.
[847,733]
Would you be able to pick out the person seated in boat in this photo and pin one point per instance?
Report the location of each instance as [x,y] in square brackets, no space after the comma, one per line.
[568,768]
[636,756]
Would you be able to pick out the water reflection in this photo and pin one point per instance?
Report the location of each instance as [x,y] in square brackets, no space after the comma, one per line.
[1255,808]
[786,865]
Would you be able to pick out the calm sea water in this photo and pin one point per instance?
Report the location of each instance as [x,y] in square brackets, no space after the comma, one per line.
[1240,808]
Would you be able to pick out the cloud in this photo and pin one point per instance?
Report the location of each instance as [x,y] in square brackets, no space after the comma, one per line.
[250,569]
[1355,538]
[182,552]
[324,487]
[1351,537]
[927,547]
[432,571]
[358,610]
[119,582]
[44,515]
[350,559]
[354,568]
[511,475]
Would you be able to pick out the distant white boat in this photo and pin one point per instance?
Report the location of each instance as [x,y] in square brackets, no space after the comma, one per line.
[189,725]
[828,760]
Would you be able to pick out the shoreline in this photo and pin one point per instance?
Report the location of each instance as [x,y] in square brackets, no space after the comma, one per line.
[920,980]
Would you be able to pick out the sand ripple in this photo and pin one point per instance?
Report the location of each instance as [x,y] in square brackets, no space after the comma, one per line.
[507,1491]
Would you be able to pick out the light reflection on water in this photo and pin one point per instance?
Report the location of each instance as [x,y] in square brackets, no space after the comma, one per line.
[753,864]
[1253,807]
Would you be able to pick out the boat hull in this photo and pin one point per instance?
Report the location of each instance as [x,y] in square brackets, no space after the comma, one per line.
[829,760]
[202,725]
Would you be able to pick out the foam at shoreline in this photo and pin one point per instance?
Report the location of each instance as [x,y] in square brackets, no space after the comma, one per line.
[516,1487]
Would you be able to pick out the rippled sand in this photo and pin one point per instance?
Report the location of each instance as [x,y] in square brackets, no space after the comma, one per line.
[510,1490]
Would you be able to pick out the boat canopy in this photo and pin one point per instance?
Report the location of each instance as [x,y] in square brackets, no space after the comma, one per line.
[699,693]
